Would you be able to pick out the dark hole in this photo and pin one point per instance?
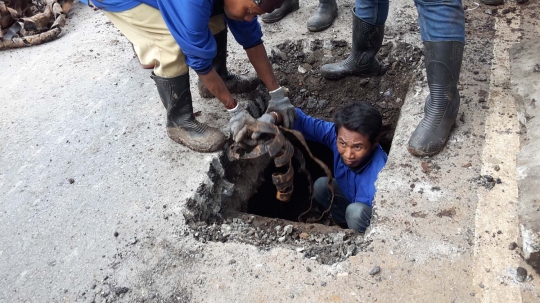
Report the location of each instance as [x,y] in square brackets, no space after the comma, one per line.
[264,202]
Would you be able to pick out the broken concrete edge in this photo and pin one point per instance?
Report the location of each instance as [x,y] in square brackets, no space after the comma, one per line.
[205,203]
[531,247]
[525,81]
[391,175]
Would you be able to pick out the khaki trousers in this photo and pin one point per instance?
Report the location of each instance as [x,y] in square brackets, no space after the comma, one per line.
[145,28]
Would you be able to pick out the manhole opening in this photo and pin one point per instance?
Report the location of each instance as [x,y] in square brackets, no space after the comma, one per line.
[296,64]
[251,213]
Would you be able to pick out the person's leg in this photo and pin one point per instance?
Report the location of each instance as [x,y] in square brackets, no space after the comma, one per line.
[442,27]
[358,216]
[369,17]
[324,16]
[145,28]
[287,7]
[373,12]
[323,195]
[236,84]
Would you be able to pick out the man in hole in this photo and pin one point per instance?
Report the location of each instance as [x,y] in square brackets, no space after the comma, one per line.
[173,35]
[358,159]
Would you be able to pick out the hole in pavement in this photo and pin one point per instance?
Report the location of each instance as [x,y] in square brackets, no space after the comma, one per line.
[249,211]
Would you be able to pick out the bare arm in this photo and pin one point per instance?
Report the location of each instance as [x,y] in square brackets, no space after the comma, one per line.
[259,59]
[216,86]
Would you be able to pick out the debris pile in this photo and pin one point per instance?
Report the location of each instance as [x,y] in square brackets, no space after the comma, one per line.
[31,22]
[325,247]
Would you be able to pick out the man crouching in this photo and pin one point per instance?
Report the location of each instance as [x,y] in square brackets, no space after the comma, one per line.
[358,159]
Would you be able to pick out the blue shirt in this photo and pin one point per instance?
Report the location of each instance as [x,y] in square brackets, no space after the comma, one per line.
[357,184]
[187,20]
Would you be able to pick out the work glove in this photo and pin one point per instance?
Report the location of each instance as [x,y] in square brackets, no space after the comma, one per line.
[240,119]
[281,103]
[266,118]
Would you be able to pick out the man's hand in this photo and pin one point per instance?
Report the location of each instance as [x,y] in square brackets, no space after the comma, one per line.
[281,104]
[266,118]
[240,119]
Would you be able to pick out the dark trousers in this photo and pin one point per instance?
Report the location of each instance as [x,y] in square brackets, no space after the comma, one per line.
[356,215]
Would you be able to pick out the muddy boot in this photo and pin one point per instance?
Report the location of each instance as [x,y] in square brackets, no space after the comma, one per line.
[181,124]
[324,16]
[366,42]
[287,7]
[235,83]
[443,64]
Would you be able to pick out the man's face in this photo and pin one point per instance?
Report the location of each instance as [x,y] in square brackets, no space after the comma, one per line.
[353,146]
[242,10]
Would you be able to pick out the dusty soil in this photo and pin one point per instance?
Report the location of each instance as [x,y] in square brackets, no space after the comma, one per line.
[297,65]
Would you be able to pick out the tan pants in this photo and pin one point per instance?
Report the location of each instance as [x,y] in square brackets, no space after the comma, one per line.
[144,26]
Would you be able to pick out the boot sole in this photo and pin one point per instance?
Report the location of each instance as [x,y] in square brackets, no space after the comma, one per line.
[210,149]
[320,29]
[293,9]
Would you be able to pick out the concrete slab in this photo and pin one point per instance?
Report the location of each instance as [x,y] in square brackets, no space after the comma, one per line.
[81,108]
[525,69]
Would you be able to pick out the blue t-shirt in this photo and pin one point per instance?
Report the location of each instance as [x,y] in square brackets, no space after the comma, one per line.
[357,184]
[187,21]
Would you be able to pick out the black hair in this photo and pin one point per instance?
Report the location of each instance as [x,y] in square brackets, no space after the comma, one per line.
[360,117]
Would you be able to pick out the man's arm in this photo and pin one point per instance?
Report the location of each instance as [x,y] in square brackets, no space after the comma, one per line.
[315,130]
[259,59]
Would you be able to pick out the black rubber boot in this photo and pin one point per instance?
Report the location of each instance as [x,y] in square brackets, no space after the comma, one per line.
[287,7]
[443,64]
[235,83]
[366,42]
[324,16]
[182,126]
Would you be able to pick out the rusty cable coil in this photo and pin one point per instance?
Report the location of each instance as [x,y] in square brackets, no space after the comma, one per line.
[273,142]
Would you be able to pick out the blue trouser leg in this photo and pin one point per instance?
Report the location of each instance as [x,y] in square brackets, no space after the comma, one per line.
[441,20]
[373,12]
[356,215]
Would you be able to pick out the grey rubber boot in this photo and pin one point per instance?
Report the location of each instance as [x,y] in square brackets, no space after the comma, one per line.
[182,127]
[287,7]
[443,64]
[235,83]
[323,18]
[366,42]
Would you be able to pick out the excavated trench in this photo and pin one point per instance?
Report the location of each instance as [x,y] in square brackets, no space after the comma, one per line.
[245,208]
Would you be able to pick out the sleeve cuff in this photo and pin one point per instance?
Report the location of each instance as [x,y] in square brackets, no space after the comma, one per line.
[204,71]
[253,45]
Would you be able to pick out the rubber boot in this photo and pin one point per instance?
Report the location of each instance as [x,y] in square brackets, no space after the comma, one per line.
[323,18]
[366,42]
[287,7]
[182,127]
[443,64]
[235,83]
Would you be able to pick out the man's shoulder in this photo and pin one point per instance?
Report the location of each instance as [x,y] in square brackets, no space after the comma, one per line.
[379,158]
